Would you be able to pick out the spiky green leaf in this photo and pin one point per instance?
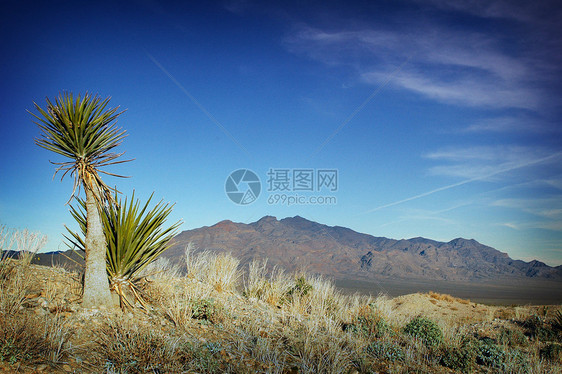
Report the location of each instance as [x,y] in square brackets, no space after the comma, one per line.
[83,130]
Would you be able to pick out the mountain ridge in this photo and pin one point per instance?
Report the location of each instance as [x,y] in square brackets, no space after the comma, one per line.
[340,252]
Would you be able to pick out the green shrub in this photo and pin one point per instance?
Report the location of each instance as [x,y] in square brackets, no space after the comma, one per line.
[207,310]
[461,358]
[369,323]
[552,351]
[386,350]
[539,329]
[483,352]
[511,337]
[301,288]
[12,352]
[380,327]
[426,330]
[517,361]
[490,354]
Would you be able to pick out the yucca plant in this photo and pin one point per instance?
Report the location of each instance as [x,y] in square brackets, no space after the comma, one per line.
[83,130]
[136,236]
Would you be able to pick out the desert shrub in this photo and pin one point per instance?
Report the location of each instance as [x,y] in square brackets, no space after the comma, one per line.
[369,323]
[505,313]
[301,288]
[26,243]
[31,339]
[255,342]
[511,337]
[133,350]
[316,344]
[380,327]
[426,330]
[552,351]
[490,354]
[539,329]
[386,350]
[161,269]
[517,361]
[208,310]
[137,349]
[182,309]
[462,358]
[14,284]
[483,352]
[316,354]
[318,296]
[203,358]
[25,337]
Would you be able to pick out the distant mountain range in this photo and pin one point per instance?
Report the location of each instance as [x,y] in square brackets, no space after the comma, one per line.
[297,243]
[341,253]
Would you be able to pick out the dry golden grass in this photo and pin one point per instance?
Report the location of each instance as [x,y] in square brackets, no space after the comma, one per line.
[218,270]
[271,287]
[32,338]
[26,242]
[447,298]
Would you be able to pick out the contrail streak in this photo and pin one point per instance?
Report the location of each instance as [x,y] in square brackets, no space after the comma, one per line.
[524,164]
[197,103]
[360,107]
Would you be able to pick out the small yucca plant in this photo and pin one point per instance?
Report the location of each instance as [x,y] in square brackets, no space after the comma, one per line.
[135,236]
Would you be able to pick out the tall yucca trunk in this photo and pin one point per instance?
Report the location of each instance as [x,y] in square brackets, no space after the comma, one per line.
[96,284]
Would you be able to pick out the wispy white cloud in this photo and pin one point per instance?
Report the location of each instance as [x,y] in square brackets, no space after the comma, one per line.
[547,212]
[509,70]
[466,89]
[509,124]
[530,186]
[487,153]
[483,162]
[522,11]
[553,182]
[452,64]
[510,225]
[550,207]
[543,225]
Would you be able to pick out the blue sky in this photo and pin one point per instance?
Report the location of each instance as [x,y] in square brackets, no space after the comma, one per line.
[441,118]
